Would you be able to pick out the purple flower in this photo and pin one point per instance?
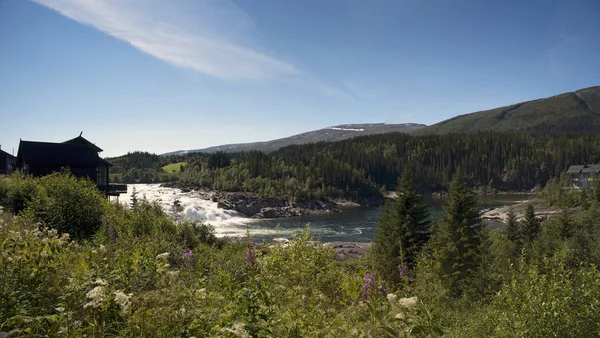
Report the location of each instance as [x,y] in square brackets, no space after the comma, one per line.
[28,221]
[187,254]
[369,284]
[382,289]
[139,237]
[402,271]
[250,259]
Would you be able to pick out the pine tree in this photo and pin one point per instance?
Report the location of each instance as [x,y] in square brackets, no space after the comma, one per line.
[513,228]
[401,232]
[134,198]
[458,237]
[530,225]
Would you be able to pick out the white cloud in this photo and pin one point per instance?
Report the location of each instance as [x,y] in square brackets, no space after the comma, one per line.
[207,36]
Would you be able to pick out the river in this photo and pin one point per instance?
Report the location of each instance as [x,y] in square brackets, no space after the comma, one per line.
[355,224]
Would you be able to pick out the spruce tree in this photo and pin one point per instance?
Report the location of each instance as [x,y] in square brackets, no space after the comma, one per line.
[457,239]
[134,198]
[530,225]
[512,227]
[402,230]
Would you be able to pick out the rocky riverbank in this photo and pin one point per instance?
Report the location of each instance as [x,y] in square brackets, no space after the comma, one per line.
[501,214]
[252,206]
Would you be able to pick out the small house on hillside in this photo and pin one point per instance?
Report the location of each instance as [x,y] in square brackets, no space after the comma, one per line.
[78,155]
[7,163]
[580,174]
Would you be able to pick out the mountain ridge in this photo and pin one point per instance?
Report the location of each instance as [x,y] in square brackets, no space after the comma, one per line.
[576,111]
[332,133]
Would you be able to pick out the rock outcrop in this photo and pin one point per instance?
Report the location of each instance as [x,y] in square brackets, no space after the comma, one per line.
[253,206]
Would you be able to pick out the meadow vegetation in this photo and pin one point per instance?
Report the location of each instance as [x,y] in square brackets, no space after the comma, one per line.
[74,264]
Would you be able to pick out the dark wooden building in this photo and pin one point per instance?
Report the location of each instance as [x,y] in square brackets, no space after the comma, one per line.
[7,163]
[78,155]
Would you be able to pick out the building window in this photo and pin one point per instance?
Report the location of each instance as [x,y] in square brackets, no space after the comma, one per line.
[101,176]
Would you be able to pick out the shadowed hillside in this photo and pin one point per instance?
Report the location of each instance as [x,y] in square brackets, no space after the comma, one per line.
[577,111]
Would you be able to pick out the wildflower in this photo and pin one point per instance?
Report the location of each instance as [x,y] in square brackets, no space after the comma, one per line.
[124,301]
[402,271]
[237,330]
[392,298]
[201,293]
[97,297]
[139,237]
[100,281]
[250,259]
[369,284]
[162,256]
[186,255]
[382,289]
[408,302]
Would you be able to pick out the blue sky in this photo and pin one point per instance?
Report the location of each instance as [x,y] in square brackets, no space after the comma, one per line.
[164,75]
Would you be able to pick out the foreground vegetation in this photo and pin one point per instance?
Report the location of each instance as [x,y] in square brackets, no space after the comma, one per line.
[76,265]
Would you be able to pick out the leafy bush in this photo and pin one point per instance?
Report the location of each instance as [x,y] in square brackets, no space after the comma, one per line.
[16,191]
[549,300]
[67,204]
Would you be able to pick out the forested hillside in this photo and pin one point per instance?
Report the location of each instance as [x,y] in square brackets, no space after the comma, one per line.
[366,166]
[577,111]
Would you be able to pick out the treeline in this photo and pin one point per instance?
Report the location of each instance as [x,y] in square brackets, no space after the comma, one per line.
[140,167]
[365,167]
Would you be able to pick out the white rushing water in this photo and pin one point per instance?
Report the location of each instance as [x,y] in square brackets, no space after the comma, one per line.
[226,222]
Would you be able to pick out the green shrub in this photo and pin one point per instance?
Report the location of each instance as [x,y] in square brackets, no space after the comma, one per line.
[67,204]
[549,300]
[16,191]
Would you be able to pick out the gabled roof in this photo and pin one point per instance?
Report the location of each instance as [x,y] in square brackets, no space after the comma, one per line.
[81,140]
[54,154]
[584,169]
[574,169]
[5,154]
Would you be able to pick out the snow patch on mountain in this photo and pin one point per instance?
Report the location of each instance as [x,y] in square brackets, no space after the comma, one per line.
[345,129]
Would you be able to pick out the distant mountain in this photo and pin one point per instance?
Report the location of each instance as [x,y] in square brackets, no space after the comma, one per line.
[577,111]
[335,133]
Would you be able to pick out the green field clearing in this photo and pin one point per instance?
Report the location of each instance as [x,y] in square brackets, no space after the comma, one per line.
[173,167]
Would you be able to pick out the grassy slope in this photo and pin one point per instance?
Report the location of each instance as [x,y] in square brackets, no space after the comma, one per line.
[568,112]
[173,167]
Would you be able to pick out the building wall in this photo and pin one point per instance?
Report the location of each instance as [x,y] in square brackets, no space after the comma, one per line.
[43,170]
[6,164]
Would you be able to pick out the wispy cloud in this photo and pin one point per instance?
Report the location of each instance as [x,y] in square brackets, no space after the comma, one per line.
[208,36]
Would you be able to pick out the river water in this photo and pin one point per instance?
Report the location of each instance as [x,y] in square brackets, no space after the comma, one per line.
[355,224]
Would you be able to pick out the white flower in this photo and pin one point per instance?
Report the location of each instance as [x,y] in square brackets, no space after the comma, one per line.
[124,301]
[162,256]
[392,297]
[408,302]
[97,297]
[100,281]
[237,330]
[400,315]
[201,293]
